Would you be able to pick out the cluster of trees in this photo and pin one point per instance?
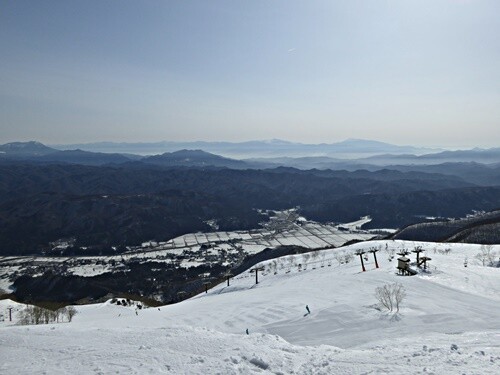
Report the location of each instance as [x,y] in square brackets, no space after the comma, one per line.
[126,302]
[343,257]
[39,315]
[487,256]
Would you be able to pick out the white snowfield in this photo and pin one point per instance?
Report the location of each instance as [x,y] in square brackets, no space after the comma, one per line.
[448,324]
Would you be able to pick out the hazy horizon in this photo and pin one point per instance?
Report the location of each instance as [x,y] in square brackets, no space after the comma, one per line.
[433,147]
[422,73]
[278,140]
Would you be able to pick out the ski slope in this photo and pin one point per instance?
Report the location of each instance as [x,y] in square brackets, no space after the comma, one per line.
[448,323]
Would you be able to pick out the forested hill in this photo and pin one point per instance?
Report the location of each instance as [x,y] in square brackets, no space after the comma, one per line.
[131,203]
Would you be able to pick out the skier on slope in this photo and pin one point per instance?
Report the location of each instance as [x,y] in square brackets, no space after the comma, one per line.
[307,308]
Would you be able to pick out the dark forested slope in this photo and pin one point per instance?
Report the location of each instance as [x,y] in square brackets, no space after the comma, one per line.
[124,205]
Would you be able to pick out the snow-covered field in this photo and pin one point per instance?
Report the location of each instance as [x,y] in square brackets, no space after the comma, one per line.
[186,249]
[311,235]
[448,324]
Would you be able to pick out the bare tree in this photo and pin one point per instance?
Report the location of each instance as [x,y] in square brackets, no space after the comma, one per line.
[70,313]
[37,315]
[383,295]
[339,257]
[486,255]
[399,294]
[273,267]
[24,317]
[62,312]
[306,257]
[314,255]
[390,252]
[390,296]
[46,316]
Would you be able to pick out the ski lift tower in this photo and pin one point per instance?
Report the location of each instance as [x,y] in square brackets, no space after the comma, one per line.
[418,250]
[374,250]
[206,282]
[256,270]
[228,276]
[361,253]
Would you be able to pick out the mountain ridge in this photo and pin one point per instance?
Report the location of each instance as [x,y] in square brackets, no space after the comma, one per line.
[248,148]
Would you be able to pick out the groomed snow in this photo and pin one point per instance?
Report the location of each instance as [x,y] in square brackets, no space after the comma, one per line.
[448,324]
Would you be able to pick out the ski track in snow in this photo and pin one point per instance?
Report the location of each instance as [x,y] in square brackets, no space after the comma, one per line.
[448,324]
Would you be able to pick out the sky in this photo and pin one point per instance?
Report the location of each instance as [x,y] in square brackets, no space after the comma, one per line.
[423,72]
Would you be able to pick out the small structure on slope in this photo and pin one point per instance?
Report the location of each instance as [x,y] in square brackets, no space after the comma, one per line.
[404,266]
[424,261]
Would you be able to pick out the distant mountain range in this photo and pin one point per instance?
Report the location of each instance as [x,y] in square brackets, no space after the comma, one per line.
[38,152]
[491,155]
[273,148]
[350,154]
[477,166]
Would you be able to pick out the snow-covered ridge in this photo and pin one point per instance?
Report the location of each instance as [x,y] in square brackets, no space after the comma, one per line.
[447,324]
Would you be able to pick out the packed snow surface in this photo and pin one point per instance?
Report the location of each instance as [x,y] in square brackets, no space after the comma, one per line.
[448,323]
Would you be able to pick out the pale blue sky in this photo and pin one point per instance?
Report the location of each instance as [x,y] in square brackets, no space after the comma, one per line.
[424,72]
